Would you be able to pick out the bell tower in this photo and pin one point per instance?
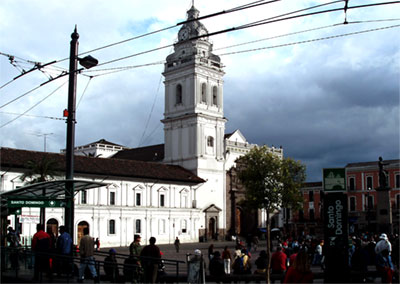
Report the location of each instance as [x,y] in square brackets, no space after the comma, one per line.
[194,123]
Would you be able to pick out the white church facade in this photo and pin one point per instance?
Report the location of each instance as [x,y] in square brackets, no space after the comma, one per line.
[178,188]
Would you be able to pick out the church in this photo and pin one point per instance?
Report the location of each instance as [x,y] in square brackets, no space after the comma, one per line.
[182,188]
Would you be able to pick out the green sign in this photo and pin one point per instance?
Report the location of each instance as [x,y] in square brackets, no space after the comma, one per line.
[334,179]
[13,203]
[14,211]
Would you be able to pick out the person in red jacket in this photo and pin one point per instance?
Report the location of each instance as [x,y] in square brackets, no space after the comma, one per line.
[278,261]
[41,243]
[300,271]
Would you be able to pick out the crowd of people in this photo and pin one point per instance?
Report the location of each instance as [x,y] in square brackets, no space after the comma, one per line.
[292,259]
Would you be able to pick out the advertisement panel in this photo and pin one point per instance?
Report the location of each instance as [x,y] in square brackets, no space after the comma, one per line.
[336,237]
[334,180]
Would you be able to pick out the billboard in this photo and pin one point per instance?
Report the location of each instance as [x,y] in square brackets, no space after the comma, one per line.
[334,180]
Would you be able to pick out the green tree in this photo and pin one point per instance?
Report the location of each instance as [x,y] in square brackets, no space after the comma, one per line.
[39,171]
[270,182]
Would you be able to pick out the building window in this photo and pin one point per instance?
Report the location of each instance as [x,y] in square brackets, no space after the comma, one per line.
[111,227]
[138,225]
[352,183]
[312,215]
[311,196]
[178,94]
[162,200]
[184,226]
[210,141]
[215,95]
[398,201]
[162,226]
[369,202]
[184,201]
[204,93]
[301,215]
[83,197]
[352,204]
[112,198]
[397,182]
[369,183]
[138,199]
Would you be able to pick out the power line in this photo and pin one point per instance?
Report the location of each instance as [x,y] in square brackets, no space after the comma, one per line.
[257,23]
[247,6]
[310,40]
[31,115]
[84,91]
[34,105]
[302,31]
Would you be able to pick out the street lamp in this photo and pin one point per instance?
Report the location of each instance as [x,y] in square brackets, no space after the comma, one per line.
[87,62]
[368,208]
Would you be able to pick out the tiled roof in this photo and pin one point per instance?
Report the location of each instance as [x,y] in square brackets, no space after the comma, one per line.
[154,153]
[15,158]
[366,164]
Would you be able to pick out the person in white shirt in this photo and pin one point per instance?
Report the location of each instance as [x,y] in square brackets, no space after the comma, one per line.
[383,244]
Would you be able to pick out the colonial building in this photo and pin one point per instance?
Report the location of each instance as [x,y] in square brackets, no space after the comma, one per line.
[179,188]
[362,180]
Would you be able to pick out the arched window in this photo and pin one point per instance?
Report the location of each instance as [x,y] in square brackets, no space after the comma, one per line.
[215,95]
[204,93]
[178,94]
[352,205]
[210,141]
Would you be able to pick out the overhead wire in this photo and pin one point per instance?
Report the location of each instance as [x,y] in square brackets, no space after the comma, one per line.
[29,109]
[309,40]
[84,91]
[303,31]
[31,115]
[257,23]
[247,6]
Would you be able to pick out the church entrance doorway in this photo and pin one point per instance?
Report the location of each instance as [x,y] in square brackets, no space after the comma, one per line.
[81,226]
[211,228]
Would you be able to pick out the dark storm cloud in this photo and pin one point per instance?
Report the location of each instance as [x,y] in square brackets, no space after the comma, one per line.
[326,116]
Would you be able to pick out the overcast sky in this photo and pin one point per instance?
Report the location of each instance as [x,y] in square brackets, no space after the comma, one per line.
[327,103]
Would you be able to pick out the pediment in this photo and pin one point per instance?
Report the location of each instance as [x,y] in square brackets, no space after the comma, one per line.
[212,209]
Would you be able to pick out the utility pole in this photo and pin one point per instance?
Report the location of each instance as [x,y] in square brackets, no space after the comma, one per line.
[87,62]
[69,169]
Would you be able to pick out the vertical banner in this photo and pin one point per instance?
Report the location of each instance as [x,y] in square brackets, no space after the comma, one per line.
[336,233]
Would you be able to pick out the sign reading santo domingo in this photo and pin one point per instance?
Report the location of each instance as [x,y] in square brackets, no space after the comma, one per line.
[334,179]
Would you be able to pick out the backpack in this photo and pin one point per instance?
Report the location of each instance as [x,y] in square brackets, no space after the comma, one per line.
[238,264]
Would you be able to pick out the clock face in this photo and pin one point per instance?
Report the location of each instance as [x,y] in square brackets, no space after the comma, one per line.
[184,34]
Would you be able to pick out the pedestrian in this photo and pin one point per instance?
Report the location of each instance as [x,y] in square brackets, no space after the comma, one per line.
[210,252]
[97,244]
[111,266]
[41,243]
[196,268]
[300,271]
[383,244]
[359,262]
[227,258]
[13,244]
[318,254]
[255,242]
[384,266]
[261,263]
[150,259]
[177,244]
[132,265]
[216,267]
[86,248]
[278,261]
[135,248]
[249,240]
[64,249]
